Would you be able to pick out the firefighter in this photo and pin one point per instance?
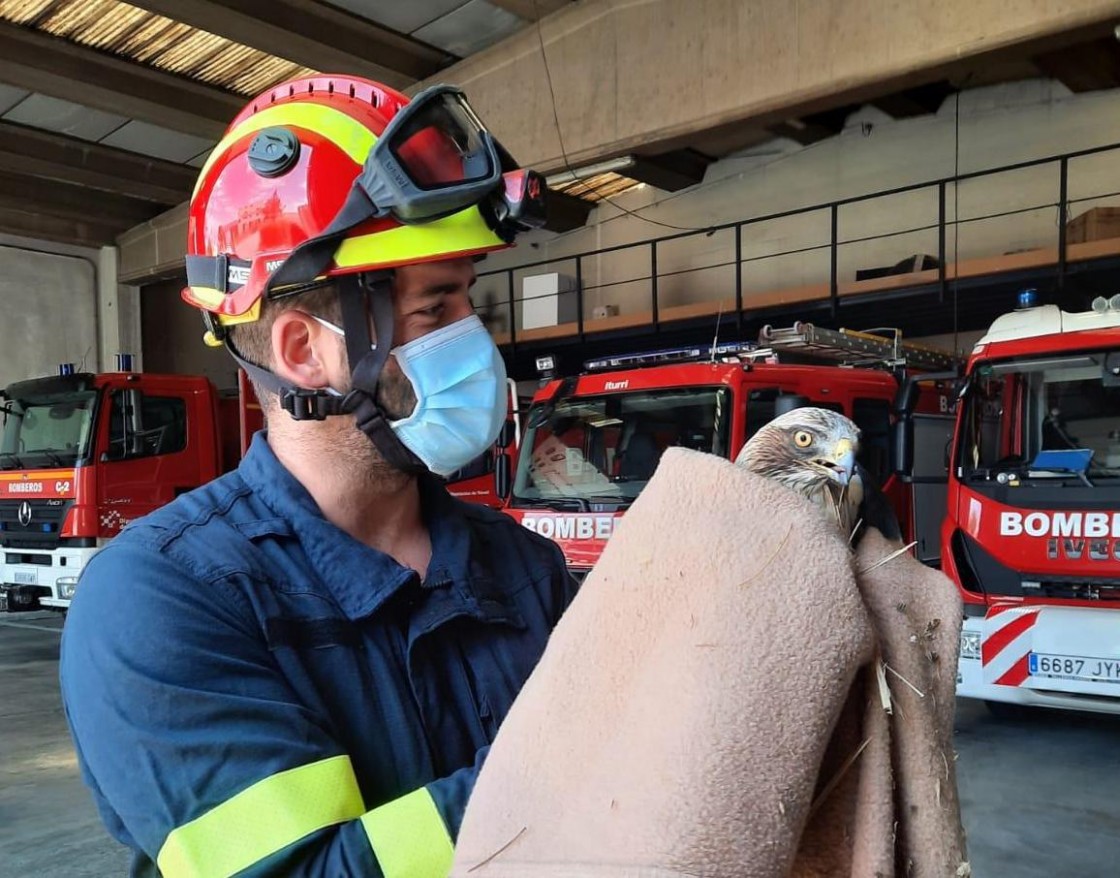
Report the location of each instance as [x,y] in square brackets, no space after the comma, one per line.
[297,669]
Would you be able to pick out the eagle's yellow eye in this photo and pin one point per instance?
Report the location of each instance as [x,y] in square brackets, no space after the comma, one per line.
[802,439]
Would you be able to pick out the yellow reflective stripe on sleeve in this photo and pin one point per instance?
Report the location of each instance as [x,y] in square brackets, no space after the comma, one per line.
[408,837]
[263,819]
[462,232]
[346,132]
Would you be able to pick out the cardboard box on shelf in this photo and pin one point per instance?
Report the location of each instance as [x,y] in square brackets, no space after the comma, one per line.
[1095,224]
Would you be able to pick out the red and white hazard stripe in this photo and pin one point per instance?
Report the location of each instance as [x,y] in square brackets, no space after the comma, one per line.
[1007,644]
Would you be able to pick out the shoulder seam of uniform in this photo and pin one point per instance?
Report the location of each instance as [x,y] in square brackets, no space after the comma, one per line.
[181,527]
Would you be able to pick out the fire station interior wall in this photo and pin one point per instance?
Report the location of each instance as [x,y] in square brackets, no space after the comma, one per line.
[998,125]
[48,311]
[641,75]
[172,333]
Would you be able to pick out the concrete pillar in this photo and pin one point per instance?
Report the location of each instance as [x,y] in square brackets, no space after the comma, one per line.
[118,314]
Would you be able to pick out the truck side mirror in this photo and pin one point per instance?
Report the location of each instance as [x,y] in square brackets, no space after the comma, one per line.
[906,400]
[902,440]
[508,434]
[502,477]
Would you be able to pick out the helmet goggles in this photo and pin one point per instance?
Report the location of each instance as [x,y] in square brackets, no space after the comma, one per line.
[434,158]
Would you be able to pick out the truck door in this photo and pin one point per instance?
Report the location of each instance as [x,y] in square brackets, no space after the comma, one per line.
[930,482]
[144,460]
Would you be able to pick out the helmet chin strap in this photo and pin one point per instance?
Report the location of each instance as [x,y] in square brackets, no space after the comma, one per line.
[361,296]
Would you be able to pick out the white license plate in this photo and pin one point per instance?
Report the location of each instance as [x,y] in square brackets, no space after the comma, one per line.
[1073,667]
[27,577]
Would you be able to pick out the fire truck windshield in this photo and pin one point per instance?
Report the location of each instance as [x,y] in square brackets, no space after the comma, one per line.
[51,430]
[1015,410]
[603,449]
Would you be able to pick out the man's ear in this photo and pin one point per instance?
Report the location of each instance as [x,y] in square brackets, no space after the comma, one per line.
[302,351]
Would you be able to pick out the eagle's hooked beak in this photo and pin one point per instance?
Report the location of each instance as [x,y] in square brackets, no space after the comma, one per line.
[842,462]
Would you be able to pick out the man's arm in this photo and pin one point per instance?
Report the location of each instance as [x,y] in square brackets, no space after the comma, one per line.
[200,755]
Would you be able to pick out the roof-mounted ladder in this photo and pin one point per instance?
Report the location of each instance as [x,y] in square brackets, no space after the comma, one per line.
[852,348]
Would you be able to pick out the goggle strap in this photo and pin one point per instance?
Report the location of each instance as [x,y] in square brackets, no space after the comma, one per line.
[357,299]
[361,296]
[371,420]
[313,257]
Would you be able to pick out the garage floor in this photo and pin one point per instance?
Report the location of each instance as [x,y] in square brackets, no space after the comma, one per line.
[1039,792]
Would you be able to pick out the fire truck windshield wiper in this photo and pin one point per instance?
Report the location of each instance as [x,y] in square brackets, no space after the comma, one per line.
[577,504]
[619,502]
[10,461]
[50,454]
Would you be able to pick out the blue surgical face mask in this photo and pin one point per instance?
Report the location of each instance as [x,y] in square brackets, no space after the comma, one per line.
[460,383]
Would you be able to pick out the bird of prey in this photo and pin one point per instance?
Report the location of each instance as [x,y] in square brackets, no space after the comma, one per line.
[813,452]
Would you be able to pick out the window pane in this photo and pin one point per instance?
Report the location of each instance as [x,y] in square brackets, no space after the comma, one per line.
[605,448]
[146,426]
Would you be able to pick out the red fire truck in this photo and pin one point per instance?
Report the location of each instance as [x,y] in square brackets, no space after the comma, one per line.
[1032,535]
[81,455]
[592,442]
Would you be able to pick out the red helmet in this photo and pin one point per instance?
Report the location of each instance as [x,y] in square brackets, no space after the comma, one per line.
[356,177]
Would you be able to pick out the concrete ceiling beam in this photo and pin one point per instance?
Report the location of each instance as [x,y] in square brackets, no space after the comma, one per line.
[1089,67]
[921,100]
[313,34]
[669,171]
[531,10]
[33,152]
[70,201]
[40,63]
[636,77]
[815,126]
[565,212]
[16,219]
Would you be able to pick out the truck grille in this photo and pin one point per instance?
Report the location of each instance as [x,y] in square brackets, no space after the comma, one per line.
[1073,589]
[41,531]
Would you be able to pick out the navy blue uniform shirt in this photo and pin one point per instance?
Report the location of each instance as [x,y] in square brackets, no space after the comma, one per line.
[236,642]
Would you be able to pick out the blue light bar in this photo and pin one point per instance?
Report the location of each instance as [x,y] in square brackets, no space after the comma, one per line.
[65,369]
[667,356]
[1027,299]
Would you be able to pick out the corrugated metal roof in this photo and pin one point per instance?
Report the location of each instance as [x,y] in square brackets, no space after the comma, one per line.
[137,35]
[598,186]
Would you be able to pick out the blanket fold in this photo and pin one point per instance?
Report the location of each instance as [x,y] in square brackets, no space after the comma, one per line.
[714,703]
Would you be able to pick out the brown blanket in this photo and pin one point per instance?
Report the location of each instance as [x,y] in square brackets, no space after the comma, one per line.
[713,703]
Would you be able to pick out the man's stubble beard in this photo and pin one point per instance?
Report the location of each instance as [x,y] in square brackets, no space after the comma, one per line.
[356,454]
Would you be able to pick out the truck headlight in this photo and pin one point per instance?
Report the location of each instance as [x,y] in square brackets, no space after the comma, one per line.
[970,644]
[67,585]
